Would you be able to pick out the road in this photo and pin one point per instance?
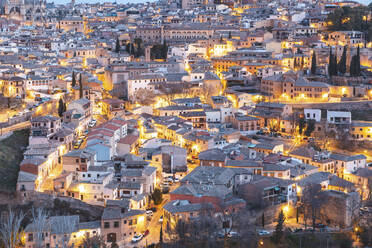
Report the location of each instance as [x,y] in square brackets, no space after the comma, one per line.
[153,225]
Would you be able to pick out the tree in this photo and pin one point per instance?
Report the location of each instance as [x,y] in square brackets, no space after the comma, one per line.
[80,87]
[10,229]
[357,65]
[73,82]
[138,51]
[302,62]
[114,245]
[310,127]
[157,196]
[279,228]
[61,107]
[95,241]
[117,45]
[39,221]
[295,64]
[313,63]
[66,226]
[144,97]
[342,63]
[161,236]
[311,202]
[301,125]
[332,64]
[165,50]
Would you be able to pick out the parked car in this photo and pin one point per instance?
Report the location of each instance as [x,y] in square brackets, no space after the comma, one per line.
[233,234]
[365,209]
[176,180]
[168,180]
[149,213]
[165,190]
[319,225]
[137,238]
[145,233]
[263,232]
[161,219]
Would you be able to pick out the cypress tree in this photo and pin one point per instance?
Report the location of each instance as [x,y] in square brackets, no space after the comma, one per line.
[313,63]
[73,82]
[342,63]
[295,65]
[60,107]
[302,62]
[80,87]
[353,66]
[165,50]
[335,69]
[330,63]
[357,63]
[117,45]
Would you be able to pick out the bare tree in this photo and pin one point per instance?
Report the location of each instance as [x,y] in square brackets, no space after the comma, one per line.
[311,203]
[144,97]
[64,226]
[10,229]
[95,241]
[39,221]
[208,92]
[171,91]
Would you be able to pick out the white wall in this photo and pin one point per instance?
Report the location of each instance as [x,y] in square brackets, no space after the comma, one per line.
[313,114]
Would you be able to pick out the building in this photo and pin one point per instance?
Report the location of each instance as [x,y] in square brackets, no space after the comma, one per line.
[118,225]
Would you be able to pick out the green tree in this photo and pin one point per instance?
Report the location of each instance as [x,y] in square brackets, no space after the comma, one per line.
[161,236]
[73,82]
[302,62]
[332,64]
[279,228]
[157,196]
[164,50]
[313,63]
[61,107]
[342,63]
[357,65]
[295,64]
[301,124]
[80,86]
[310,127]
[117,45]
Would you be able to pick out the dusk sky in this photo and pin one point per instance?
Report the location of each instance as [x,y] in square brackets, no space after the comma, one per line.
[139,1]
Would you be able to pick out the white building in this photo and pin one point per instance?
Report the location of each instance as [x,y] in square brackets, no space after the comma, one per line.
[313,114]
[338,117]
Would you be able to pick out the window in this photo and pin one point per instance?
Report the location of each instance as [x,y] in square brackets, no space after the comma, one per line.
[30,237]
[116,224]
[107,225]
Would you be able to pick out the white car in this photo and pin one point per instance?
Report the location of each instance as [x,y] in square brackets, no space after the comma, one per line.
[263,232]
[149,213]
[137,238]
[161,219]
